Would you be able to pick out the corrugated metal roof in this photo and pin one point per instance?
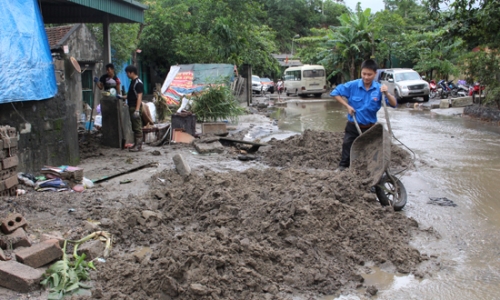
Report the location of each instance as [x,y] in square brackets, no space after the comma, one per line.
[92,11]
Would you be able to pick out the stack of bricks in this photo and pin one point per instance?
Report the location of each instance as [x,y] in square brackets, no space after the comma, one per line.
[20,263]
[8,161]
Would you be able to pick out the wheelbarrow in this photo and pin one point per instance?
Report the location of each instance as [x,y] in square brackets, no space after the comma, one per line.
[370,157]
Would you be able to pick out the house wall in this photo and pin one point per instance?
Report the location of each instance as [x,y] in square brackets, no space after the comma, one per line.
[48,129]
[83,46]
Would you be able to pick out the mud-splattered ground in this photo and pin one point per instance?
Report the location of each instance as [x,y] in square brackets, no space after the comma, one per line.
[262,233]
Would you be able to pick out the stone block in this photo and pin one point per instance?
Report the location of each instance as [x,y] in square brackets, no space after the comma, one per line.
[181,165]
[214,128]
[445,103]
[16,239]
[461,101]
[10,162]
[54,235]
[92,249]
[19,277]
[13,222]
[209,147]
[39,254]
[2,255]
[6,144]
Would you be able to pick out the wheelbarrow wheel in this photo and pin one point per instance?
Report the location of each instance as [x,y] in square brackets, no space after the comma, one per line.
[391,193]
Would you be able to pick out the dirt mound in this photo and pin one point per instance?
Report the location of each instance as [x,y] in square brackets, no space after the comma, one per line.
[318,150]
[257,234]
[89,145]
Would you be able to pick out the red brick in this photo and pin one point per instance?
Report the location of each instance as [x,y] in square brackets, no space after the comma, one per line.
[19,277]
[2,255]
[16,239]
[13,222]
[54,235]
[11,143]
[9,183]
[39,254]
[10,162]
[9,192]
[4,174]
[4,153]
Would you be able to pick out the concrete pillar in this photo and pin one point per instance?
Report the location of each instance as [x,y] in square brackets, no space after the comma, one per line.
[106,41]
[247,74]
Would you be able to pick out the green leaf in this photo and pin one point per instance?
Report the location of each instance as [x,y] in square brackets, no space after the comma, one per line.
[91,265]
[84,286]
[72,287]
[57,295]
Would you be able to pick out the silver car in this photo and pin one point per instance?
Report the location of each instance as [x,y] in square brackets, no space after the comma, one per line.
[405,84]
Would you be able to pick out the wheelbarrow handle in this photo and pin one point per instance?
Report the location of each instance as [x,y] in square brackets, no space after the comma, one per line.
[356,123]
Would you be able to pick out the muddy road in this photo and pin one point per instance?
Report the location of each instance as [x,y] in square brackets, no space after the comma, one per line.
[285,226]
[456,159]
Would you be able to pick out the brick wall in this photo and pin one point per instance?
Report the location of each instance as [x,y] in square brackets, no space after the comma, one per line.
[8,161]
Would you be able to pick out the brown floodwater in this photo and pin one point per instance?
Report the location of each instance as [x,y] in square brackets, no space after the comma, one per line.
[456,158]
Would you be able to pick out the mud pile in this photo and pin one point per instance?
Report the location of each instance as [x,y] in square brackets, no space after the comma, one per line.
[89,144]
[257,234]
[319,150]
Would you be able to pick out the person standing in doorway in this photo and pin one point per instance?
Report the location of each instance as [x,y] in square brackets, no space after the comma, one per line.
[134,100]
[109,80]
[364,99]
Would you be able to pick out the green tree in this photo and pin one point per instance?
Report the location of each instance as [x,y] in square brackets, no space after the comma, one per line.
[207,31]
[351,42]
[476,22]
[123,41]
[484,66]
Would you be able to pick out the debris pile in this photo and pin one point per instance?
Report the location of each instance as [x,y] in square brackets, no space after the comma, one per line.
[8,161]
[256,234]
[20,261]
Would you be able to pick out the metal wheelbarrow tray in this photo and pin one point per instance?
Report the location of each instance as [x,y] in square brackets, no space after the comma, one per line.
[370,157]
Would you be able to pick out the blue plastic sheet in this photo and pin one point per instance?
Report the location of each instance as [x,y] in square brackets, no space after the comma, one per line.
[25,59]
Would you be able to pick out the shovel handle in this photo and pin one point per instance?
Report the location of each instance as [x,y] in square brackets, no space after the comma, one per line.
[356,123]
[386,114]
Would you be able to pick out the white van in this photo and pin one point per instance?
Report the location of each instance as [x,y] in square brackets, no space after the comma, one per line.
[305,80]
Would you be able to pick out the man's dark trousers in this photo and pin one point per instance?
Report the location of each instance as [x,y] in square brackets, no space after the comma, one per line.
[351,133]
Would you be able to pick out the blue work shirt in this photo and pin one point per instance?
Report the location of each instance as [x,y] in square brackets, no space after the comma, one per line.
[366,103]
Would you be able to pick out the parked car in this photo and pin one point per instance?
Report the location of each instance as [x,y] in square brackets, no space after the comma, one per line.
[405,84]
[256,85]
[267,85]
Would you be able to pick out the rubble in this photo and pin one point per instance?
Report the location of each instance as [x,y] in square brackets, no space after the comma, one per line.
[181,165]
[13,222]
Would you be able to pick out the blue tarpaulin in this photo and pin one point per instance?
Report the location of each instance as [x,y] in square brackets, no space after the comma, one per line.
[25,59]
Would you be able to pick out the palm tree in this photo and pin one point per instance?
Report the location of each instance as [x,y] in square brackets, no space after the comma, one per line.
[352,41]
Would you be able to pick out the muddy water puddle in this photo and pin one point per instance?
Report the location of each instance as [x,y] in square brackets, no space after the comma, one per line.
[456,158]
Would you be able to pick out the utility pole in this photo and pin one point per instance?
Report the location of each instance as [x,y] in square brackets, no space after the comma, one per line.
[293,39]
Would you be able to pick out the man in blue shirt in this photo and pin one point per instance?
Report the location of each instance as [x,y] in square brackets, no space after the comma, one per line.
[364,98]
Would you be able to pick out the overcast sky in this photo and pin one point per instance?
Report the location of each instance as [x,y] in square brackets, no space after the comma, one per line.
[375,5]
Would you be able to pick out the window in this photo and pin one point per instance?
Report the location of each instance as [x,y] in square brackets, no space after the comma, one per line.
[407,76]
[314,73]
[292,75]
